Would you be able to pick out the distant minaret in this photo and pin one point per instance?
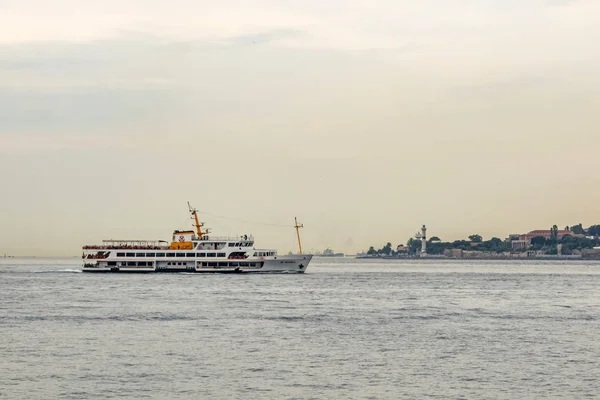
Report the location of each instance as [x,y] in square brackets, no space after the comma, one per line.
[423,240]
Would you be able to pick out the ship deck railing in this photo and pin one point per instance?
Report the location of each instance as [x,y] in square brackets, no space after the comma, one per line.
[96,257]
[240,238]
[108,247]
[129,244]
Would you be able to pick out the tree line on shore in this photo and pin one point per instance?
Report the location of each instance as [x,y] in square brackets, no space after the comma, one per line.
[475,242]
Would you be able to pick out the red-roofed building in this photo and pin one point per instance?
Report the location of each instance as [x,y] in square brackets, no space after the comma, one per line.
[547,233]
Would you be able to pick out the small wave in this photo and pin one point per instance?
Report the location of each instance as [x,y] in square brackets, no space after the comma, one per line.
[153,317]
[285,318]
[307,317]
[59,271]
[118,318]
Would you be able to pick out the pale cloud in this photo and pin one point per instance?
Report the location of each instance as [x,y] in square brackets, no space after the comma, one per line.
[349,25]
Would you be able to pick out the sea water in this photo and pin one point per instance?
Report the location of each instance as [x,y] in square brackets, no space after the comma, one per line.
[346,329]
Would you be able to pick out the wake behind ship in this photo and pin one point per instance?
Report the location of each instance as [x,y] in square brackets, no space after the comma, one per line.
[191,251]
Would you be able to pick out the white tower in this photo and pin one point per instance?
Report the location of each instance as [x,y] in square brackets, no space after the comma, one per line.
[422,236]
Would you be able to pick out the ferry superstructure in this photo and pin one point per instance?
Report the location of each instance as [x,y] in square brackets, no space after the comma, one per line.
[191,251]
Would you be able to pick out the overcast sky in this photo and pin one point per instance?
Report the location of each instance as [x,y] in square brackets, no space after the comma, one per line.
[366,119]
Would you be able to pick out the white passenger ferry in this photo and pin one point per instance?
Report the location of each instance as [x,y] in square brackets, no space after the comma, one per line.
[191,251]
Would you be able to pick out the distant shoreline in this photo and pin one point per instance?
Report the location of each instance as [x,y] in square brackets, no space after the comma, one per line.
[479,258]
[7,257]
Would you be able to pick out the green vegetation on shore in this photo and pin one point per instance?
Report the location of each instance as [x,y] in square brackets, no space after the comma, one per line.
[475,242]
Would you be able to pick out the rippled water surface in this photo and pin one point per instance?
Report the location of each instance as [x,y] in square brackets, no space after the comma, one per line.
[346,329]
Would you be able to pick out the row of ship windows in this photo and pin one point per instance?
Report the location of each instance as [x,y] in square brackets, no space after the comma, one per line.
[259,254]
[230,264]
[220,245]
[204,264]
[131,264]
[140,263]
[171,255]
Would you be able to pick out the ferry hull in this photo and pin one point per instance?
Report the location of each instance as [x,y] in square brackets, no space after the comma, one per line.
[277,265]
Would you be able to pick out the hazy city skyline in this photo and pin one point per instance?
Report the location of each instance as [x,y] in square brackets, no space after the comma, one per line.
[363,119]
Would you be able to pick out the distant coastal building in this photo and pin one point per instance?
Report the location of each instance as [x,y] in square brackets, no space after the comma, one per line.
[402,248]
[591,253]
[523,241]
[520,244]
[547,234]
[453,253]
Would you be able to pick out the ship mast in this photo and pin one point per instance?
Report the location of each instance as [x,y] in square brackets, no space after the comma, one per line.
[298,233]
[197,224]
